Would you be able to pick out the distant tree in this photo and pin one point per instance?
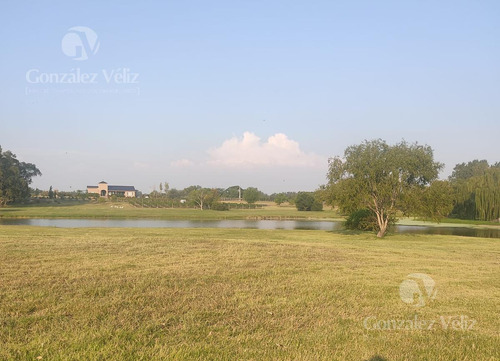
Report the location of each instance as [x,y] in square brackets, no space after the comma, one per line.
[280,198]
[212,198]
[51,193]
[161,187]
[154,194]
[251,195]
[203,198]
[306,201]
[174,194]
[264,197]
[186,191]
[376,176]
[231,192]
[291,196]
[15,178]
[464,171]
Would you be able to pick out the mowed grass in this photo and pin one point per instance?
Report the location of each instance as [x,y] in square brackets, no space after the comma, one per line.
[125,210]
[219,294]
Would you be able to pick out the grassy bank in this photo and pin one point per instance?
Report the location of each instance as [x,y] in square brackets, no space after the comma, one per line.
[198,294]
[125,210]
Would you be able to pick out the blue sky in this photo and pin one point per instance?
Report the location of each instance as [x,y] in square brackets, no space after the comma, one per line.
[257,93]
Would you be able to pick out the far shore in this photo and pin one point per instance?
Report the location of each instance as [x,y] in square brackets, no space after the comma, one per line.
[269,211]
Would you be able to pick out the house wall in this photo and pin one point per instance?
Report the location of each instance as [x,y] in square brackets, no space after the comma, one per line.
[103,186]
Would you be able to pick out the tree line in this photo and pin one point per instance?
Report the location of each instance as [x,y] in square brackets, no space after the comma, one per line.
[223,199]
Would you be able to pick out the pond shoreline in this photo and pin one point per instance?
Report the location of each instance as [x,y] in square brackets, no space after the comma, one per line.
[262,224]
[401,222]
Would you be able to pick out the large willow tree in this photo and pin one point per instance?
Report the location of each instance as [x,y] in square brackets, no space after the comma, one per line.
[380,177]
[477,190]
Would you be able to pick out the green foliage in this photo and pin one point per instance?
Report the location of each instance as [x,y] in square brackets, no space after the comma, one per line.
[231,192]
[220,206]
[204,198]
[280,198]
[15,178]
[477,191]
[464,171]
[362,219]
[436,201]
[306,201]
[379,177]
[488,195]
[251,195]
[51,193]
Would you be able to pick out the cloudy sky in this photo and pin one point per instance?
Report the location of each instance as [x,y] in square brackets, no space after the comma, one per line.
[256,93]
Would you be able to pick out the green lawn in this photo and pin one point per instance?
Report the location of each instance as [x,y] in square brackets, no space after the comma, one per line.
[125,210]
[226,294]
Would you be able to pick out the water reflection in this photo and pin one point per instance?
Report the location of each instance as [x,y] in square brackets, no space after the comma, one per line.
[242,224]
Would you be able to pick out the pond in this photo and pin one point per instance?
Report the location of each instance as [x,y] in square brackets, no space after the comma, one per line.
[242,224]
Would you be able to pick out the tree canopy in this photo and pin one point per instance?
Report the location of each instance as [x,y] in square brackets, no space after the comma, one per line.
[477,190]
[15,178]
[380,177]
[251,195]
[464,171]
[280,198]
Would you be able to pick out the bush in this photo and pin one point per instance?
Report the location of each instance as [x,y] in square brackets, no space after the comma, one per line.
[364,220]
[220,206]
[317,206]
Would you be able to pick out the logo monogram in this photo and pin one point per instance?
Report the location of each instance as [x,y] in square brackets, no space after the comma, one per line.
[80,43]
[417,289]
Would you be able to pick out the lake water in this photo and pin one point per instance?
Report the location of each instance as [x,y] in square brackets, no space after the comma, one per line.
[242,224]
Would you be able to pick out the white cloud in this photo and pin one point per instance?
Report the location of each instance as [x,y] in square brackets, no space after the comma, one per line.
[182,163]
[250,150]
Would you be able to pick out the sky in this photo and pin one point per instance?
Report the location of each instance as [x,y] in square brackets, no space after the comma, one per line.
[250,93]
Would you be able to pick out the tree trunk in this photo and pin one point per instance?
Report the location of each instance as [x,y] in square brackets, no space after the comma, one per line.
[381,232]
[382,224]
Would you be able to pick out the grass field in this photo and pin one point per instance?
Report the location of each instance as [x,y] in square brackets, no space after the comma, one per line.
[125,210]
[215,294]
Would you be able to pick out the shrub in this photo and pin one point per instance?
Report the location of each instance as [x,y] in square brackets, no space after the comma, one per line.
[220,206]
[364,220]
